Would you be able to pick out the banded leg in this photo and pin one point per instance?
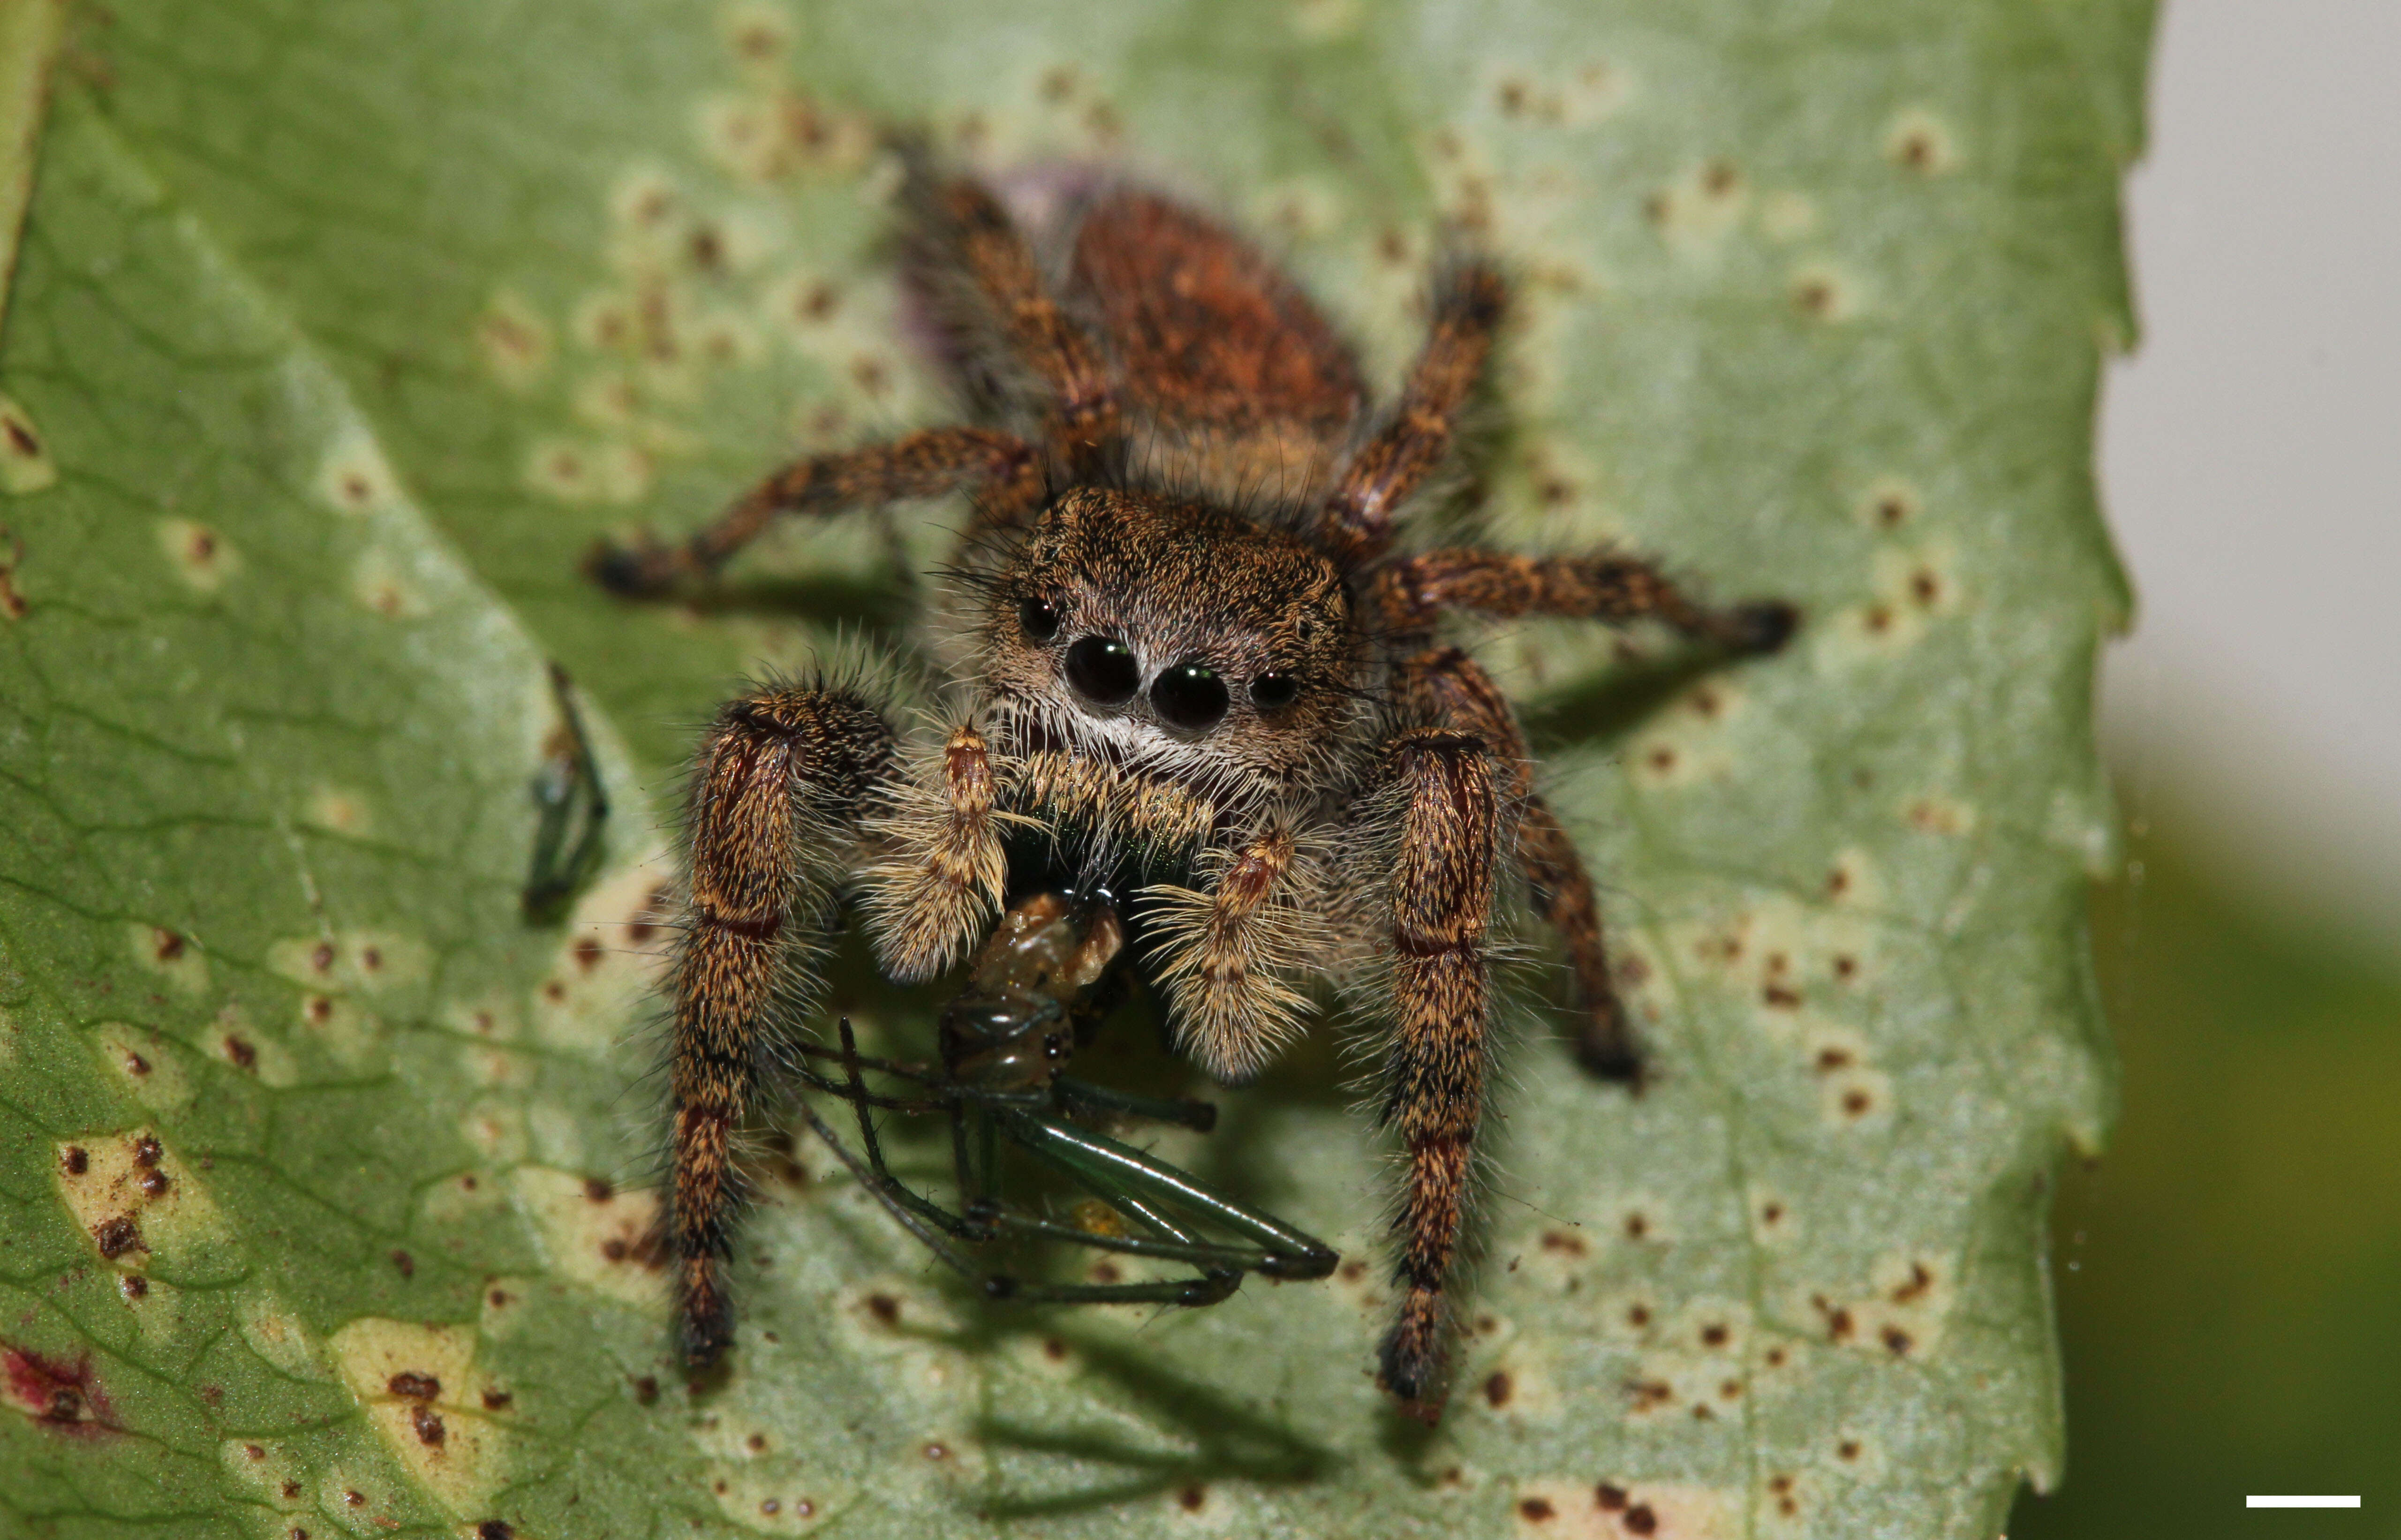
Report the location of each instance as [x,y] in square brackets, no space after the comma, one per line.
[1409,595]
[1357,520]
[775,805]
[1441,894]
[1562,895]
[1446,685]
[1003,467]
[943,866]
[966,238]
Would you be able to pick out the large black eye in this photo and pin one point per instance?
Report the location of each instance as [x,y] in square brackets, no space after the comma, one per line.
[1273,691]
[1039,616]
[1102,670]
[1191,695]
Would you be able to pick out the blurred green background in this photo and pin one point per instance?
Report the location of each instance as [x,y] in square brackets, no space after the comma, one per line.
[2229,1272]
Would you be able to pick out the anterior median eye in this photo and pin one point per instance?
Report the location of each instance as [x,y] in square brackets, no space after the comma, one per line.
[1189,695]
[1040,617]
[1102,670]
[1272,692]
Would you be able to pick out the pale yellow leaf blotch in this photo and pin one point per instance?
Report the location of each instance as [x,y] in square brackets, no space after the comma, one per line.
[25,464]
[133,1198]
[429,1402]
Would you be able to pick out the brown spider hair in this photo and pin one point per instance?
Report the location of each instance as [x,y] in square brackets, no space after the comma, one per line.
[1238,713]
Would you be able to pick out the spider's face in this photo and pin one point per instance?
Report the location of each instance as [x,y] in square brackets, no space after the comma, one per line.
[1170,630]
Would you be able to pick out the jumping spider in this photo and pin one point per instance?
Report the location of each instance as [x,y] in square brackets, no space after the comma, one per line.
[1190,665]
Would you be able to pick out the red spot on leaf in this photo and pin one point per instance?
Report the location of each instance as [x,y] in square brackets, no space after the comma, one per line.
[61,1395]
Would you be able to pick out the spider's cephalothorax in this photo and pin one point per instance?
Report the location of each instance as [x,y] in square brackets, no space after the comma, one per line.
[1194,668]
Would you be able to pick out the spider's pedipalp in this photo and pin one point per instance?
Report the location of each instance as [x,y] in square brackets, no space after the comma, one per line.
[775,804]
[942,865]
[1232,955]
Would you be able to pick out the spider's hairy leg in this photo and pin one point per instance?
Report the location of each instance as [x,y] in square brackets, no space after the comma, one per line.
[1408,596]
[1563,894]
[775,804]
[1003,467]
[966,232]
[1441,889]
[941,864]
[1229,954]
[1446,685]
[1356,521]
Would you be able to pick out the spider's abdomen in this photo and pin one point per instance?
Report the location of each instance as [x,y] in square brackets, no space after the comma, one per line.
[1230,363]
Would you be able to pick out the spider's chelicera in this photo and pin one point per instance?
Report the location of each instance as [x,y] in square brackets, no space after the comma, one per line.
[1191,665]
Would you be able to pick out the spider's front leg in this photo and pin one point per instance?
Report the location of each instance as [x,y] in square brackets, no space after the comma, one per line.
[776,808]
[1443,684]
[1441,894]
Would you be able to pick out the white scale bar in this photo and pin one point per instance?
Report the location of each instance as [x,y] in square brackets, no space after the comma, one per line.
[2300,1502]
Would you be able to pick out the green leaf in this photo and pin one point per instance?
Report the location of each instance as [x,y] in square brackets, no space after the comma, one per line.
[341,328]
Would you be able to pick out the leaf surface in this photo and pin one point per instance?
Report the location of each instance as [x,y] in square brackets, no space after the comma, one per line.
[340,330]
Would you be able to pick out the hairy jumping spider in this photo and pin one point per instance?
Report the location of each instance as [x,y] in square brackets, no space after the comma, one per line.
[1190,664]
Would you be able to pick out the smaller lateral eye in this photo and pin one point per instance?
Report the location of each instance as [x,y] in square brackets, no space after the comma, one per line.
[1271,691]
[1039,618]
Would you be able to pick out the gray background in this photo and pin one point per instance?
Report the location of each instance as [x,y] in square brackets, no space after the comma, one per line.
[2248,452]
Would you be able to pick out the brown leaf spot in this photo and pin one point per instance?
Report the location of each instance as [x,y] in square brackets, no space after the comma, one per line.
[118,1236]
[1536,1510]
[414,1385]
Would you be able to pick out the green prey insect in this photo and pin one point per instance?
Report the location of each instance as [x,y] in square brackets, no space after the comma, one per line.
[1039,988]
[571,812]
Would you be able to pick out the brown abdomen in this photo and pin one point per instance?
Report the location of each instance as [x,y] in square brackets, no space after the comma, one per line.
[1215,345]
